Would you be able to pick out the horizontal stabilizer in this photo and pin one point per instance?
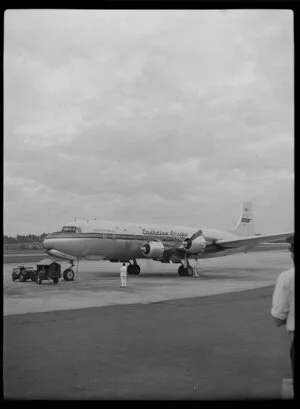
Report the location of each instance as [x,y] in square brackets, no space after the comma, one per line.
[255,240]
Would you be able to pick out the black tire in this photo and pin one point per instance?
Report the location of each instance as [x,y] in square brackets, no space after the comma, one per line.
[68,274]
[55,280]
[190,271]
[181,271]
[13,278]
[130,269]
[137,269]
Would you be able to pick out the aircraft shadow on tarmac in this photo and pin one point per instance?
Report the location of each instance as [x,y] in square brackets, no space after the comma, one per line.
[207,274]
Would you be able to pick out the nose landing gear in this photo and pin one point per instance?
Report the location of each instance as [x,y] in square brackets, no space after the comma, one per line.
[69,274]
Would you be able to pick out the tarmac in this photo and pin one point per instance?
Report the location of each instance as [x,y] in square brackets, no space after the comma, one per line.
[163,337]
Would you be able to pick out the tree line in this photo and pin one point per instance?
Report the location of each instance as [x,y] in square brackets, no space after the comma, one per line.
[24,238]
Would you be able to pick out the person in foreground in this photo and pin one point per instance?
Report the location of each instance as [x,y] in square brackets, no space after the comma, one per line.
[283,304]
[123,275]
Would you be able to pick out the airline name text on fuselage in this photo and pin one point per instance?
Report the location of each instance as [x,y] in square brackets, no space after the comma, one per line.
[171,233]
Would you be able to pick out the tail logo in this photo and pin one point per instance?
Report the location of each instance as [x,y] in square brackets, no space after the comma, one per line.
[246,220]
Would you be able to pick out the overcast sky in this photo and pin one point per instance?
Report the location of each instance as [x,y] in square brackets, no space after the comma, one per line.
[160,116]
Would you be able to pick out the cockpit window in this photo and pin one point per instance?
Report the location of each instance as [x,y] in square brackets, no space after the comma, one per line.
[70,229]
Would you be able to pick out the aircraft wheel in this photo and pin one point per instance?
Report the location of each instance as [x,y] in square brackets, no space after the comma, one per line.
[181,270]
[137,269]
[131,269]
[190,271]
[68,274]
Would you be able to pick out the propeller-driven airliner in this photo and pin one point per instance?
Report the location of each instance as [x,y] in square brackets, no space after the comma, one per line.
[127,242]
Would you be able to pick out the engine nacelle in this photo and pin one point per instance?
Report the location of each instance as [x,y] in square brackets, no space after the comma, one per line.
[195,246]
[153,249]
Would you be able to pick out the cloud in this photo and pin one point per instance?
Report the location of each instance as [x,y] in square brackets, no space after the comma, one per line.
[161,116]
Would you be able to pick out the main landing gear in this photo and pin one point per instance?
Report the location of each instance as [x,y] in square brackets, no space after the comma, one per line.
[133,268]
[185,271]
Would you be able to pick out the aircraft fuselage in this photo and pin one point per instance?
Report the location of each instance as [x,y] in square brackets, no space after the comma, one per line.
[120,241]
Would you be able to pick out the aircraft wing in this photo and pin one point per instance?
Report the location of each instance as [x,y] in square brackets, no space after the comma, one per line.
[255,240]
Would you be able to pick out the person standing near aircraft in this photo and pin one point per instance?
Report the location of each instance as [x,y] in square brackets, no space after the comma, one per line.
[123,275]
[283,303]
[196,269]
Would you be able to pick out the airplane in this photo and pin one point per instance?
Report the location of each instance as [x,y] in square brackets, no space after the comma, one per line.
[122,242]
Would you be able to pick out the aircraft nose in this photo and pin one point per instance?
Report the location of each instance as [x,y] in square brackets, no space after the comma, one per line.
[47,243]
[64,243]
[52,241]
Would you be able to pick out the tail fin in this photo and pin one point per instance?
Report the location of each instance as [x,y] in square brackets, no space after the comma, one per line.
[245,226]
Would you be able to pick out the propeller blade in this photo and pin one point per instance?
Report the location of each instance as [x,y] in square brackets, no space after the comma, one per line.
[195,235]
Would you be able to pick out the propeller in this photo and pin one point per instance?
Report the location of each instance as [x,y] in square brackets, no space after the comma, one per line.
[146,248]
[188,244]
[195,235]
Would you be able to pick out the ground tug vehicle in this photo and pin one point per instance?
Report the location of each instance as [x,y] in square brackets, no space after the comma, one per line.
[23,273]
[48,270]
